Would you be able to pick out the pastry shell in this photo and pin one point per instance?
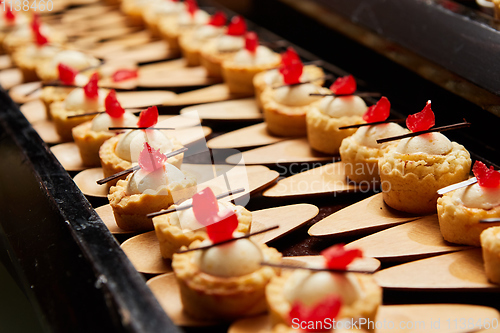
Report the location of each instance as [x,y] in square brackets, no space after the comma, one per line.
[206,296]
[460,224]
[130,210]
[366,307]
[133,12]
[26,64]
[410,181]
[50,95]
[172,237]
[490,242]
[89,142]
[323,131]
[212,59]
[63,124]
[170,31]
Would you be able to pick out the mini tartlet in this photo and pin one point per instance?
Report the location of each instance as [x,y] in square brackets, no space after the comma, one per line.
[148,190]
[47,70]
[413,170]
[134,9]
[27,57]
[490,242]
[167,9]
[9,21]
[460,211]
[238,71]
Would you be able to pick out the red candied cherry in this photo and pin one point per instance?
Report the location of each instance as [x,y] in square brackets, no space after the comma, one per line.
[192,7]
[40,39]
[148,117]
[205,206]
[113,107]
[222,226]
[345,85]
[292,73]
[251,42]
[91,89]
[486,177]
[422,120]
[218,19]
[151,159]
[289,57]
[329,308]
[337,257]
[237,27]
[67,74]
[379,111]
[124,74]
[9,15]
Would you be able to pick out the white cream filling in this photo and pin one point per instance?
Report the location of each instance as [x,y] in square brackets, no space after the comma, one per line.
[207,31]
[344,106]
[233,259]
[186,19]
[274,78]
[38,53]
[167,7]
[262,56]
[433,143]
[102,122]
[368,135]
[475,196]
[312,287]
[226,43]
[187,221]
[24,32]
[76,100]
[154,182]
[132,143]
[296,95]
[74,59]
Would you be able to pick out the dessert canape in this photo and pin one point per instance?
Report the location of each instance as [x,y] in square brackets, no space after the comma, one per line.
[273,78]
[161,9]
[79,101]
[360,152]
[490,242]
[224,47]
[285,107]
[239,71]
[133,9]
[341,109]
[181,228]
[460,211]
[171,28]
[47,70]
[359,294]
[225,281]
[9,21]
[121,151]
[155,186]
[192,41]
[90,135]
[412,171]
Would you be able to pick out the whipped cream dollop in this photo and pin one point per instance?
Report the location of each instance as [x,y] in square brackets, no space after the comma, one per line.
[131,144]
[274,78]
[475,196]
[76,100]
[25,32]
[296,95]
[207,31]
[102,122]
[167,7]
[368,135]
[227,43]
[311,287]
[154,182]
[262,56]
[344,106]
[433,143]
[43,52]
[74,59]
[233,259]
[186,19]
[187,221]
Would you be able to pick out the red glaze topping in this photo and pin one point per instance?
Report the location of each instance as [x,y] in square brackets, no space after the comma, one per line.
[151,159]
[35,22]
[66,74]
[9,15]
[222,227]
[422,120]
[344,85]
[124,74]
[40,39]
[251,42]
[148,117]
[113,107]
[289,57]
[291,67]
[91,89]
[379,111]
[219,19]
[329,307]
[337,257]
[205,206]
[192,7]
[486,177]
[237,27]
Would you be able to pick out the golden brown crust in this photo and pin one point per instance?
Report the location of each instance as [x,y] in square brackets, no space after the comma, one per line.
[190,48]
[53,94]
[63,124]
[172,237]
[212,60]
[490,242]
[460,224]
[365,307]
[323,131]
[410,181]
[89,142]
[133,12]
[206,296]
[27,65]
[130,210]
